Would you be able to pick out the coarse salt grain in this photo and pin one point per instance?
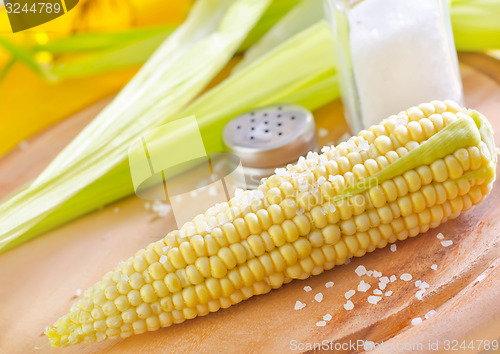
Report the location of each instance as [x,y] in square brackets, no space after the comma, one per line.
[416,321]
[349,294]
[327,317]
[349,305]
[329,284]
[363,287]
[212,191]
[434,267]
[373,299]
[377,292]
[360,270]
[163,259]
[322,132]
[394,247]
[429,314]
[348,260]
[78,292]
[393,278]
[321,323]
[384,280]
[405,277]
[481,277]
[377,274]
[307,289]
[318,297]
[382,286]
[419,294]
[418,283]
[388,293]
[447,243]
[440,236]
[299,305]
[424,285]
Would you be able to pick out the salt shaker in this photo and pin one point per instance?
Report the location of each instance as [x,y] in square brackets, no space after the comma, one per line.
[392,54]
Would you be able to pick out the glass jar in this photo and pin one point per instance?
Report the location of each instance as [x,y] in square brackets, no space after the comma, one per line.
[392,54]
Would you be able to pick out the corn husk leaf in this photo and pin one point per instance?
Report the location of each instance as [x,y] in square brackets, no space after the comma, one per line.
[173,76]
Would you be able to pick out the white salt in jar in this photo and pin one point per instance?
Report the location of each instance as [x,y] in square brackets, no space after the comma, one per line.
[393,54]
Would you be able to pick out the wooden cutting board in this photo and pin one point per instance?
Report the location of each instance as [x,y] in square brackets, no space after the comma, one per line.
[39,279]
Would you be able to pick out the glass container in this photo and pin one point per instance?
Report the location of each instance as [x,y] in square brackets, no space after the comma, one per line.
[392,54]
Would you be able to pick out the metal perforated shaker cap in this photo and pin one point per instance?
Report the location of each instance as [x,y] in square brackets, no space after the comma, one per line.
[271,137]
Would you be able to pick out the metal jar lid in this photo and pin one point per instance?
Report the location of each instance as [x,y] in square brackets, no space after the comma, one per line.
[270,137]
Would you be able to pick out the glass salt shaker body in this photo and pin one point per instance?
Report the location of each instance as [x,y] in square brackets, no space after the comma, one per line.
[392,54]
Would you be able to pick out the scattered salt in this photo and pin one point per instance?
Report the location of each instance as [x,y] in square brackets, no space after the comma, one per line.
[418,283]
[369,273]
[360,270]
[307,289]
[377,292]
[327,317]
[163,258]
[372,299]
[419,294]
[23,145]
[434,267]
[377,274]
[429,314]
[382,286]
[329,284]
[321,323]
[393,278]
[405,277]
[440,236]
[299,305]
[78,292]
[384,280]
[349,305]
[363,287]
[388,293]
[424,285]
[161,209]
[447,243]
[394,247]
[318,297]
[481,277]
[350,294]
[416,321]
[322,132]
[212,191]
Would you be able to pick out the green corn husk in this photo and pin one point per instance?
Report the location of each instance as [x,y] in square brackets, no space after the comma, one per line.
[175,74]
[476,24]
[295,67]
[282,75]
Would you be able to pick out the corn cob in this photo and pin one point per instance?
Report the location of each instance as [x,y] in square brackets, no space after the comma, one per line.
[410,173]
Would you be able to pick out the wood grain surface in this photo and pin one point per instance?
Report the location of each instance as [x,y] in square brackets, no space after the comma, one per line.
[39,280]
